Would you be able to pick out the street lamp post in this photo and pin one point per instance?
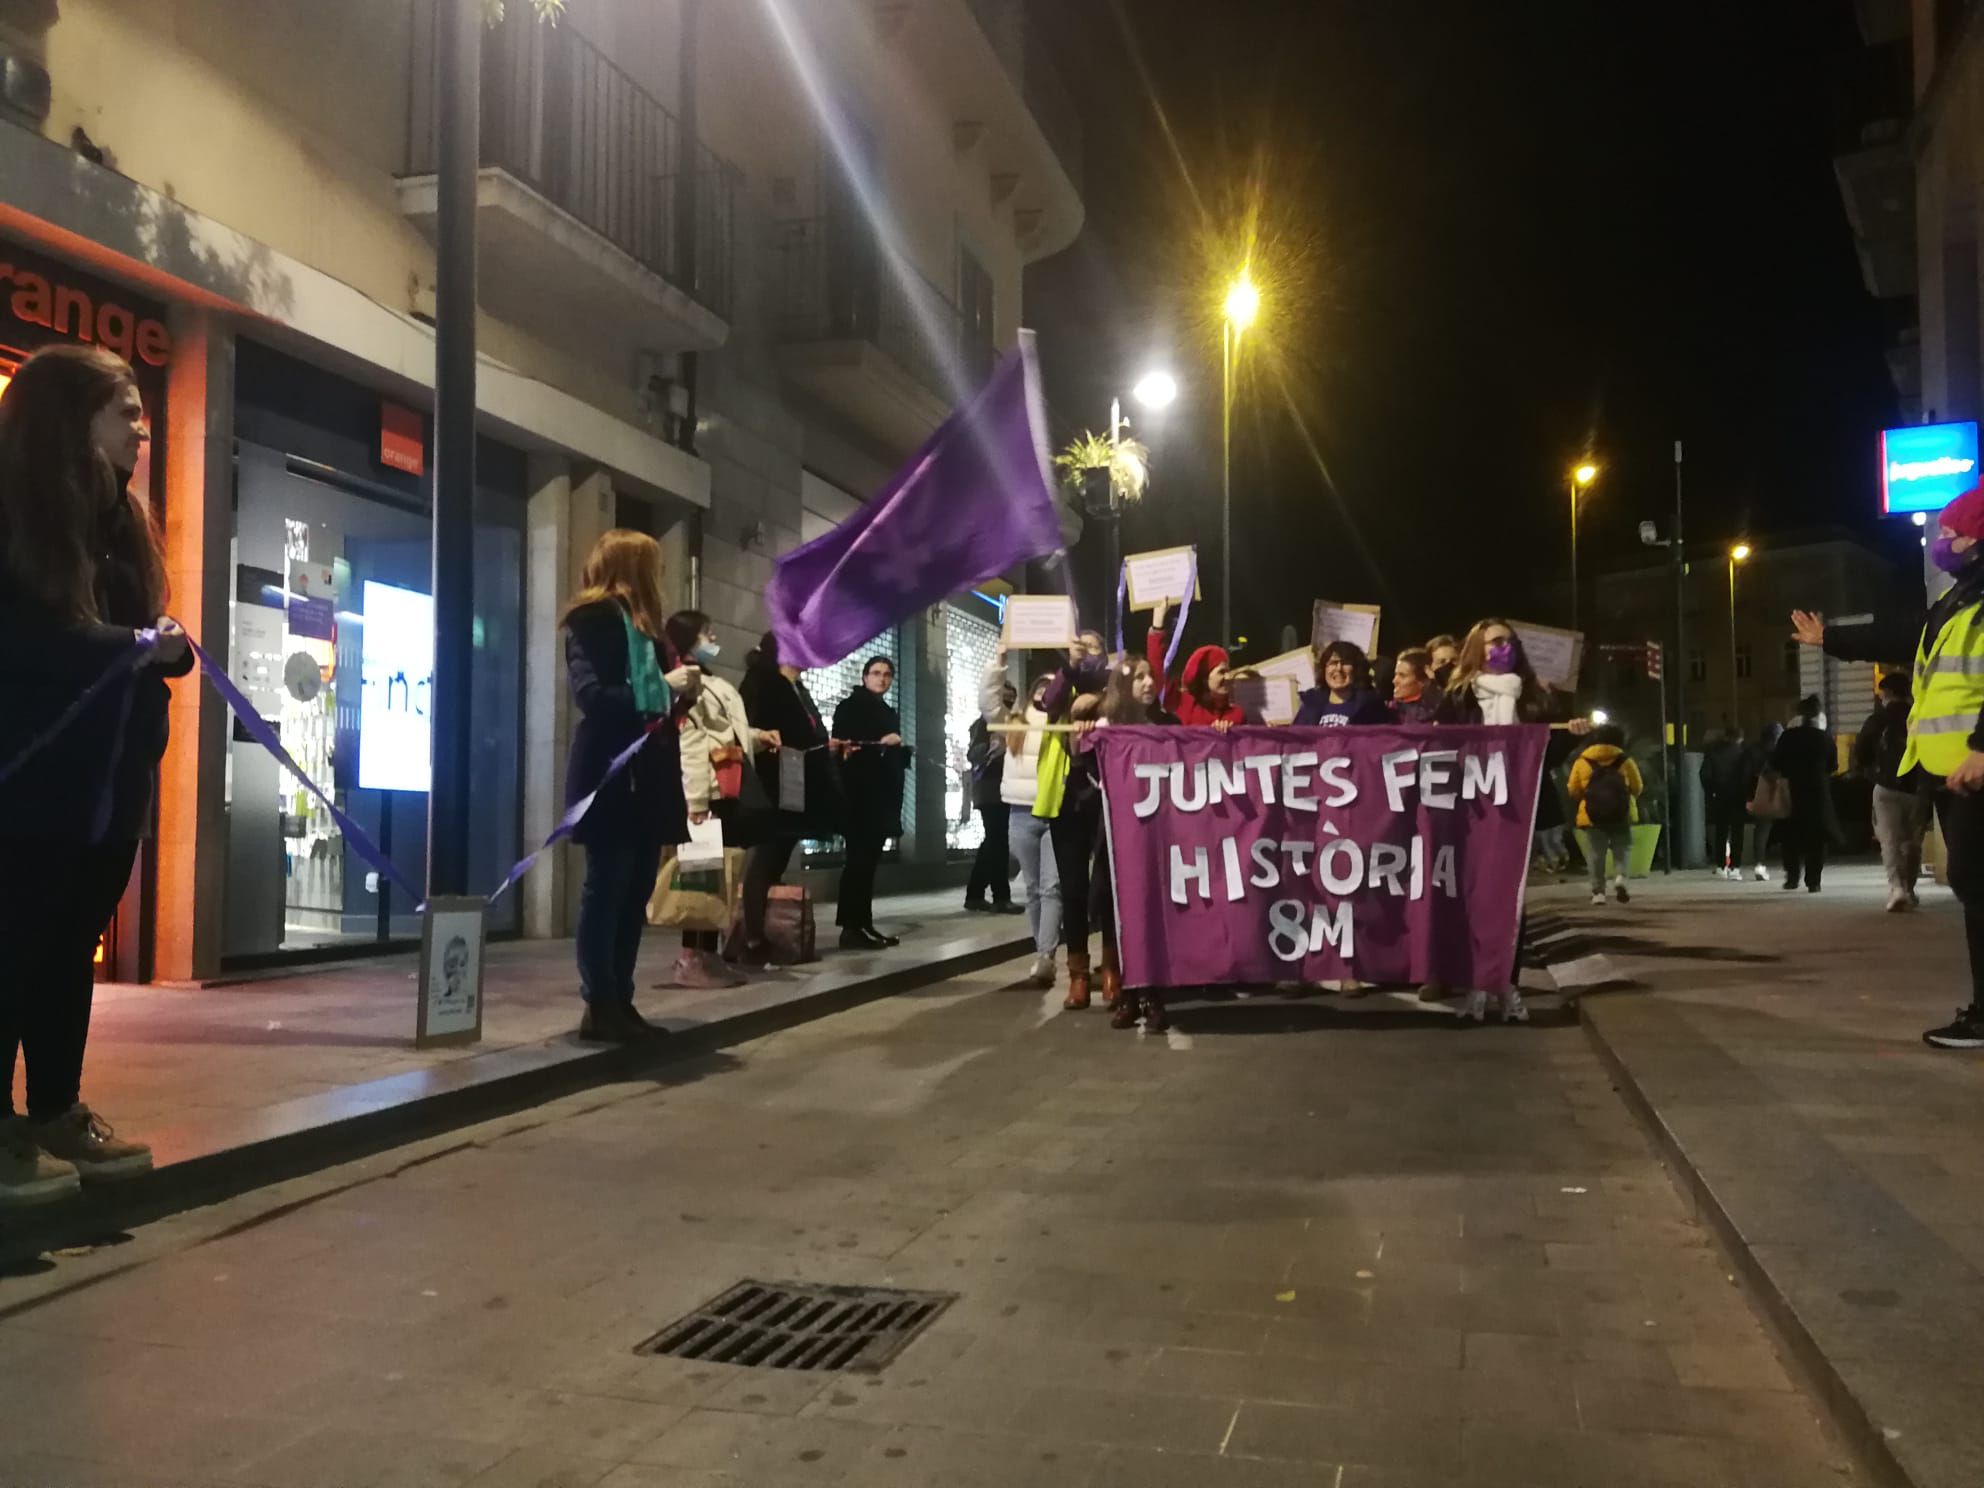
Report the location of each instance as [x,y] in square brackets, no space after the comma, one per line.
[1581,478]
[1738,554]
[1155,391]
[1243,308]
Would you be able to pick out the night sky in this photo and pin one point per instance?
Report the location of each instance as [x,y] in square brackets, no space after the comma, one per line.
[1491,237]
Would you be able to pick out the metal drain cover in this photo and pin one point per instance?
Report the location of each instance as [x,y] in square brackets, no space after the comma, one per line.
[790,1325]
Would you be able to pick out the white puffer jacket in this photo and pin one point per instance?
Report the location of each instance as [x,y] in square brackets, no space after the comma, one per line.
[1021,781]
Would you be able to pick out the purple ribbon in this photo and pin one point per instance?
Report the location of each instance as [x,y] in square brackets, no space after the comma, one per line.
[576,813]
[126,661]
[1177,629]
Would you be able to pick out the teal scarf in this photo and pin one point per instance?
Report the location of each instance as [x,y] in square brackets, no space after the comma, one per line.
[651,694]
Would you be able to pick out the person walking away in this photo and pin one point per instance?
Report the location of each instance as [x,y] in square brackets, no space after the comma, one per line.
[1901,811]
[1019,790]
[627,681]
[1415,699]
[717,746]
[985,765]
[776,699]
[1344,697]
[1199,696]
[868,736]
[1727,801]
[1806,758]
[1756,760]
[1606,784]
[80,577]
[1945,722]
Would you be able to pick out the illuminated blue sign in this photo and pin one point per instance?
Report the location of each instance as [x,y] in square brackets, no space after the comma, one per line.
[1927,466]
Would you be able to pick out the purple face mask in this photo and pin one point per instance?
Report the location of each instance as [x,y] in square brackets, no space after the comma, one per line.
[1501,658]
[1942,553]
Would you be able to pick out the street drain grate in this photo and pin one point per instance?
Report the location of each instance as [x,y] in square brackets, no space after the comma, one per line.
[785,1325]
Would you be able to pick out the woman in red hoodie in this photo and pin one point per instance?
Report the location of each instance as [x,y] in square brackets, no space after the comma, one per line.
[1199,696]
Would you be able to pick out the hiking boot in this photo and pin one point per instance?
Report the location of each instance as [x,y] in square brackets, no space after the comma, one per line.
[1966,1033]
[27,1174]
[608,1023]
[1077,998]
[81,1137]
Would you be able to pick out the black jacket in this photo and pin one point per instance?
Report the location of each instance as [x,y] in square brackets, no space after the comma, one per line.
[985,757]
[1806,758]
[787,708]
[1883,740]
[873,775]
[1724,774]
[98,780]
[644,804]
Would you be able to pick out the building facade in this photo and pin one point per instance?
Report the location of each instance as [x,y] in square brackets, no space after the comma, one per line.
[736,262]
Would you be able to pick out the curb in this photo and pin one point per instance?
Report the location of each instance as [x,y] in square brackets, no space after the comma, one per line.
[370,1118]
[1842,1407]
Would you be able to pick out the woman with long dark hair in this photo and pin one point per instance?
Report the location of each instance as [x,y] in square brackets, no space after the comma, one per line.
[778,703]
[80,577]
[627,680]
[868,735]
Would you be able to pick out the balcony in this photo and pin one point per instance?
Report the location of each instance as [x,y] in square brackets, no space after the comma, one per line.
[596,216]
[875,343]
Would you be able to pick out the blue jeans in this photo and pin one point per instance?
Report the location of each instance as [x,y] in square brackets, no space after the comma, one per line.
[1041,876]
[613,914]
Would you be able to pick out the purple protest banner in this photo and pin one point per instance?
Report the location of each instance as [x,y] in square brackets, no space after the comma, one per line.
[1316,854]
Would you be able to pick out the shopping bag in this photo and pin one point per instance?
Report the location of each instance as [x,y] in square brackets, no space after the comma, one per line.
[1772,799]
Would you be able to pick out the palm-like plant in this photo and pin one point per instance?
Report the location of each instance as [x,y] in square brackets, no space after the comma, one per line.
[547,10]
[1126,460]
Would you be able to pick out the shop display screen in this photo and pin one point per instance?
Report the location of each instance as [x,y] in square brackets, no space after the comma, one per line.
[395,735]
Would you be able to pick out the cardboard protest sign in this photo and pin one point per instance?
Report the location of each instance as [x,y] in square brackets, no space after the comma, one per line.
[1556,656]
[1039,621]
[1383,853]
[1355,623]
[1161,577]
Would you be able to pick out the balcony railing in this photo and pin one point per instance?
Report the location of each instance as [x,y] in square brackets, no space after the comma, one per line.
[562,119]
[835,284]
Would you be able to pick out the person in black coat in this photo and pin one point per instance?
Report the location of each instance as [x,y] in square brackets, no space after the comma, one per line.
[985,773]
[1806,758]
[777,701]
[627,682]
[1725,795]
[868,736]
[80,576]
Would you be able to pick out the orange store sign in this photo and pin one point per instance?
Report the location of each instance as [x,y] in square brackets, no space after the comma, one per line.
[67,309]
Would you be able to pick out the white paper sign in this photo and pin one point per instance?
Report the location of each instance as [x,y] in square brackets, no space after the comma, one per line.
[1162,576]
[1554,655]
[1298,665]
[703,852]
[1265,699]
[1355,623]
[1038,621]
[451,972]
[791,780]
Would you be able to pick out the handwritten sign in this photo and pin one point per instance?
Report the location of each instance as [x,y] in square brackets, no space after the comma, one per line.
[1554,655]
[1161,577]
[1355,623]
[1039,621]
[1299,666]
[1264,699]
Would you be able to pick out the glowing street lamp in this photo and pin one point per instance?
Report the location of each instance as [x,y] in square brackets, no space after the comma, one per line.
[1242,309]
[1581,478]
[1156,390]
[1740,553]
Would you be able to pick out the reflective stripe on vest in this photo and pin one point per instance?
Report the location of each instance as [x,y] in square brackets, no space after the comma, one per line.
[1949,693]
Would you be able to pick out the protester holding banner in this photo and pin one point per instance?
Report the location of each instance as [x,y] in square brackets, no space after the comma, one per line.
[806,799]
[1069,799]
[1199,695]
[1415,698]
[1019,789]
[1345,696]
[80,573]
[1492,681]
[627,680]
[868,735]
[1131,697]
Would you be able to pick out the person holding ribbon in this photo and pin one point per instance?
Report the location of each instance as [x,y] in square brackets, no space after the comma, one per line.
[629,685]
[1200,694]
[85,654]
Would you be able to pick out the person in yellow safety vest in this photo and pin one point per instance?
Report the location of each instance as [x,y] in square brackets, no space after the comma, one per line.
[1944,756]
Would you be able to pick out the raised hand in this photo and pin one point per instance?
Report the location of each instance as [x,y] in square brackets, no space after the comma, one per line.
[1807,628]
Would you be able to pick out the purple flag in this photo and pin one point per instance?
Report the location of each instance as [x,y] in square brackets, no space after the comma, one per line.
[1316,854]
[975,500]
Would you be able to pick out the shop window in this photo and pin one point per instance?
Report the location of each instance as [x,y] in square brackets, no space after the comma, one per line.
[830,684]
[969,646]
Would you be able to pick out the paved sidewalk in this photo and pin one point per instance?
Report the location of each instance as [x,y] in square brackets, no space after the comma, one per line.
[1775,1038]
[1272,1253]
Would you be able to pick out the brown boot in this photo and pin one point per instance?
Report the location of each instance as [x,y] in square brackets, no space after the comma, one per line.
[1112,978]
[1156,1020]
[1077,982]
[1129,1007]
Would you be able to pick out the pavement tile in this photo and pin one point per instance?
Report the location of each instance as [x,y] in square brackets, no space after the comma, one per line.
[1422,1440]
[930,1457]
[1125,1418]
[541,1467]
[1126,1467]
[760,1449]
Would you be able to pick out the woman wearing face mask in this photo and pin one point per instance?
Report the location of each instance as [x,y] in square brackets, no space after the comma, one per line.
[868,736]
[1345,696]
[1019,789]
[1443,651]
[718,744]
[80,576]
[1199,696]
[1415,699]
[1945,724]
[776,699]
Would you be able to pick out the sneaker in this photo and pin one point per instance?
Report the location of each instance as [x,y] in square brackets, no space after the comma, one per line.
[1966,1033]
[1514,1009]
[27,1174]
[1899,901]
[84,1139]
[1619,892]
[1599,897]
[1475,1008]
[1763,874]
[1042,972]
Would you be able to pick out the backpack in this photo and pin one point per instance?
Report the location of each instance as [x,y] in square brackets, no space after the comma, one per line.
[1607,800]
